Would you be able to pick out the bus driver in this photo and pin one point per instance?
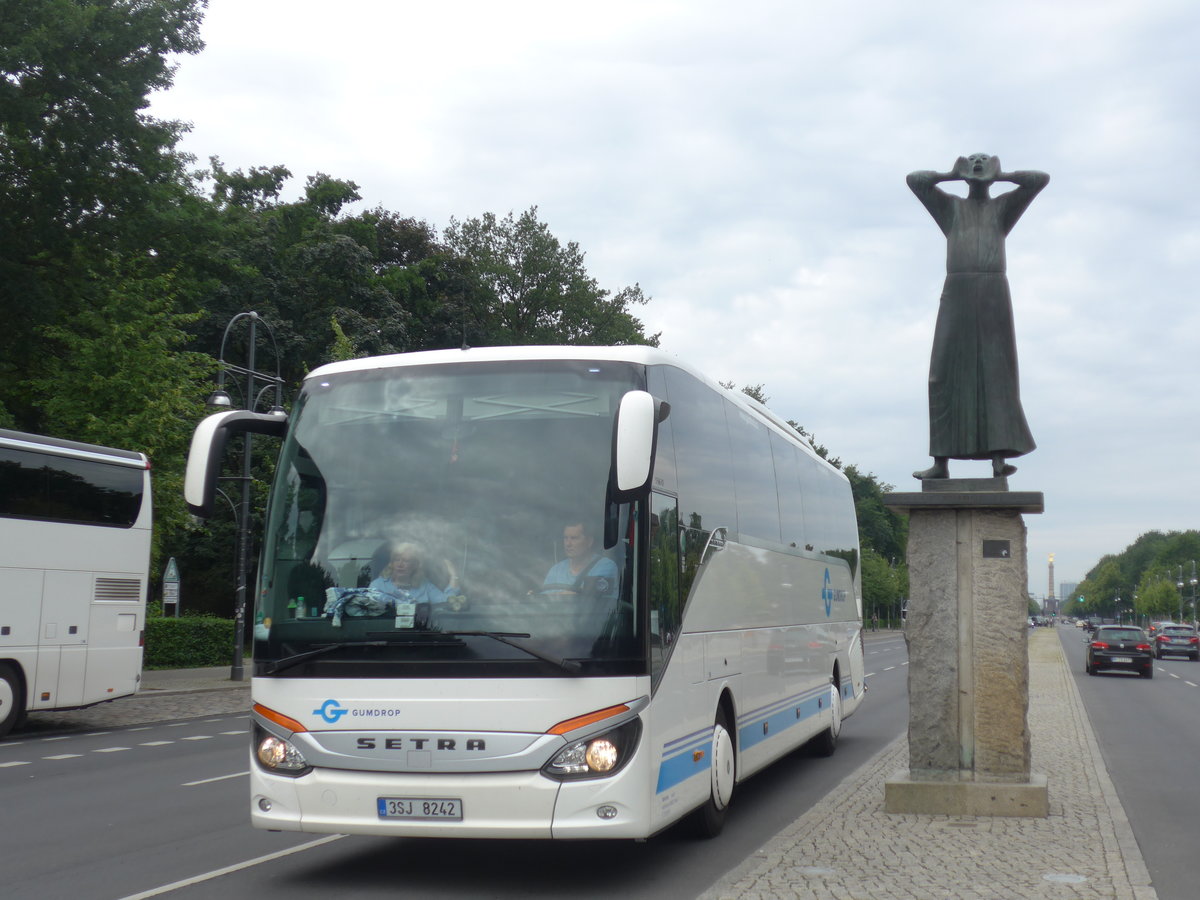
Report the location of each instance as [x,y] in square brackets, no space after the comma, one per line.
[582,571]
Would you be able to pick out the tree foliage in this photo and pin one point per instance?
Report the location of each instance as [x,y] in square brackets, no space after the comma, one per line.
[1146,576]
[528,288]
[84,172]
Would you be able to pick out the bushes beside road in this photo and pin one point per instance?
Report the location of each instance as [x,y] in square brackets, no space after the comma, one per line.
[189,642]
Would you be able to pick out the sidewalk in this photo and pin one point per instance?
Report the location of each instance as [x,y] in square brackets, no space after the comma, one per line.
[847,848]
[164,695]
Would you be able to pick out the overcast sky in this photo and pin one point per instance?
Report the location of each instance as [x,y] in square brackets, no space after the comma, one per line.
[744,163]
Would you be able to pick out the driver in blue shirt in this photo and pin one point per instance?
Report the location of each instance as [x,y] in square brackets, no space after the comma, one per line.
[582,571]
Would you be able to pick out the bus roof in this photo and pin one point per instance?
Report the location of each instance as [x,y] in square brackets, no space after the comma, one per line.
[21,440]
[637,354]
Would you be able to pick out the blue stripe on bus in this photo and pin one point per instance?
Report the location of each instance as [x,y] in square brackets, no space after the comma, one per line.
[679,768]
[778,716]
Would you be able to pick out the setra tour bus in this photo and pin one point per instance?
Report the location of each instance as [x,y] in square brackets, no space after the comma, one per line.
[555,592]
[74,568]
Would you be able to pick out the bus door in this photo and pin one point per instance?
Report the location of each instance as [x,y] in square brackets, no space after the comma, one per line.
[62,639]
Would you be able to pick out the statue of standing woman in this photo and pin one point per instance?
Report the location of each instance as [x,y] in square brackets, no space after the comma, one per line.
[974,392]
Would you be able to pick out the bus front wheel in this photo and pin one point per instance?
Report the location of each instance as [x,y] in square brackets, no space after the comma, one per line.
[710,818]
[826,742]
[12,703]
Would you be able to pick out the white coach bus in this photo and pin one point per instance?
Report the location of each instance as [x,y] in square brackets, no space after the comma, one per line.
[556,592]
[74,560]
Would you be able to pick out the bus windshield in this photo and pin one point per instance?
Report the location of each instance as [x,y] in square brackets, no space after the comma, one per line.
[452,521]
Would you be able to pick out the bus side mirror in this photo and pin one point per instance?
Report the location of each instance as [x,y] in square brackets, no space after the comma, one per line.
[635,439]
[208,449]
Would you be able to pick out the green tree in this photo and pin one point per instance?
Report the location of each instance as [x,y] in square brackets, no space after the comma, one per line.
[528,288]
[884,585]
[84,172]
[119,376]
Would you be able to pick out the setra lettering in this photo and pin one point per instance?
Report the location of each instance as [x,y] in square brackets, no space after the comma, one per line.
[412,743]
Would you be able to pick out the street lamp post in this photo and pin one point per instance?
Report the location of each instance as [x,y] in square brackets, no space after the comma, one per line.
[220,400]
[1192,582]
[1179,584]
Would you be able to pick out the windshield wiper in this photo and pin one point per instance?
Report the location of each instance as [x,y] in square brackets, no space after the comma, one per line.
[288,661]
[570,666]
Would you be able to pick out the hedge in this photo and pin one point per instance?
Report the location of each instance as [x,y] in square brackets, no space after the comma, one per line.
[189,642]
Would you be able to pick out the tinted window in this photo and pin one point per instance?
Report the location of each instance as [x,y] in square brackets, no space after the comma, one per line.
[753,475]
[60,489]
[664,461]
[701,453]
[826,498]
[1119,634]
[791,499]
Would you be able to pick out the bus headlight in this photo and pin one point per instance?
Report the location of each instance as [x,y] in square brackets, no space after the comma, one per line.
[598,756]
[278,756]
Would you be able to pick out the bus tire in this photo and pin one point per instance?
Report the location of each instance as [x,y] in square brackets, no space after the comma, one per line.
[826,742]
[709,819]
[12,700]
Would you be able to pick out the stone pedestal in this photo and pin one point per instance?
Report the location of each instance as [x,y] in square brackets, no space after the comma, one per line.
[968,663]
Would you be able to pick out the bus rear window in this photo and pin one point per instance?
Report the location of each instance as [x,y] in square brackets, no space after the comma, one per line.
[59,489]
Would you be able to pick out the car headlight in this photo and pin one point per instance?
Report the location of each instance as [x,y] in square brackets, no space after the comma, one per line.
[598,756]
[277,755]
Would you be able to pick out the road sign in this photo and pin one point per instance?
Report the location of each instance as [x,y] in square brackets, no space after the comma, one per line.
[170,594]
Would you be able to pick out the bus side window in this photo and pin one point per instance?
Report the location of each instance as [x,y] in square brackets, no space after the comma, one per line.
[666,605]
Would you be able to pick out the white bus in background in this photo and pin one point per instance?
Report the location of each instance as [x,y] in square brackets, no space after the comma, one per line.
[74,561]
[715,626]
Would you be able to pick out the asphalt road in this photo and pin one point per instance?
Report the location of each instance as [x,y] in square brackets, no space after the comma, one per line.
[160,810]
[1149,735]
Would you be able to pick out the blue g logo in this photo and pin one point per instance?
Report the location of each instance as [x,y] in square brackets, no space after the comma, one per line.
[827,594]
[330,711]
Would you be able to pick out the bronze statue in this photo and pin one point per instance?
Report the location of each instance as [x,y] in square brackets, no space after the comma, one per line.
[974,392]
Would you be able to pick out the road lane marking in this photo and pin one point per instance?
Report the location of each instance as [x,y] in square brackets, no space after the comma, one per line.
[1191,683]
[64,756]
[236,867]
[218,778]
[110,749]
[199,737]
[9,765]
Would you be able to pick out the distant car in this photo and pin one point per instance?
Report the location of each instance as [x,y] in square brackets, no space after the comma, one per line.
[1119,648]
[1154,628]
[1177,639]
[1081,623]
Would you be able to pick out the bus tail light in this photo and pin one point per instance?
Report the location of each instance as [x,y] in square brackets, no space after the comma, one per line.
[597,756]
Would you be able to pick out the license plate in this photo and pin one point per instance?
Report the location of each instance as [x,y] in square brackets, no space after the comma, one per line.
[1123,659]
[420,808]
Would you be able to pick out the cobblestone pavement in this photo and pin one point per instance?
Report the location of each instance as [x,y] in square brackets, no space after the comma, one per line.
[847,848]
[164,696]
